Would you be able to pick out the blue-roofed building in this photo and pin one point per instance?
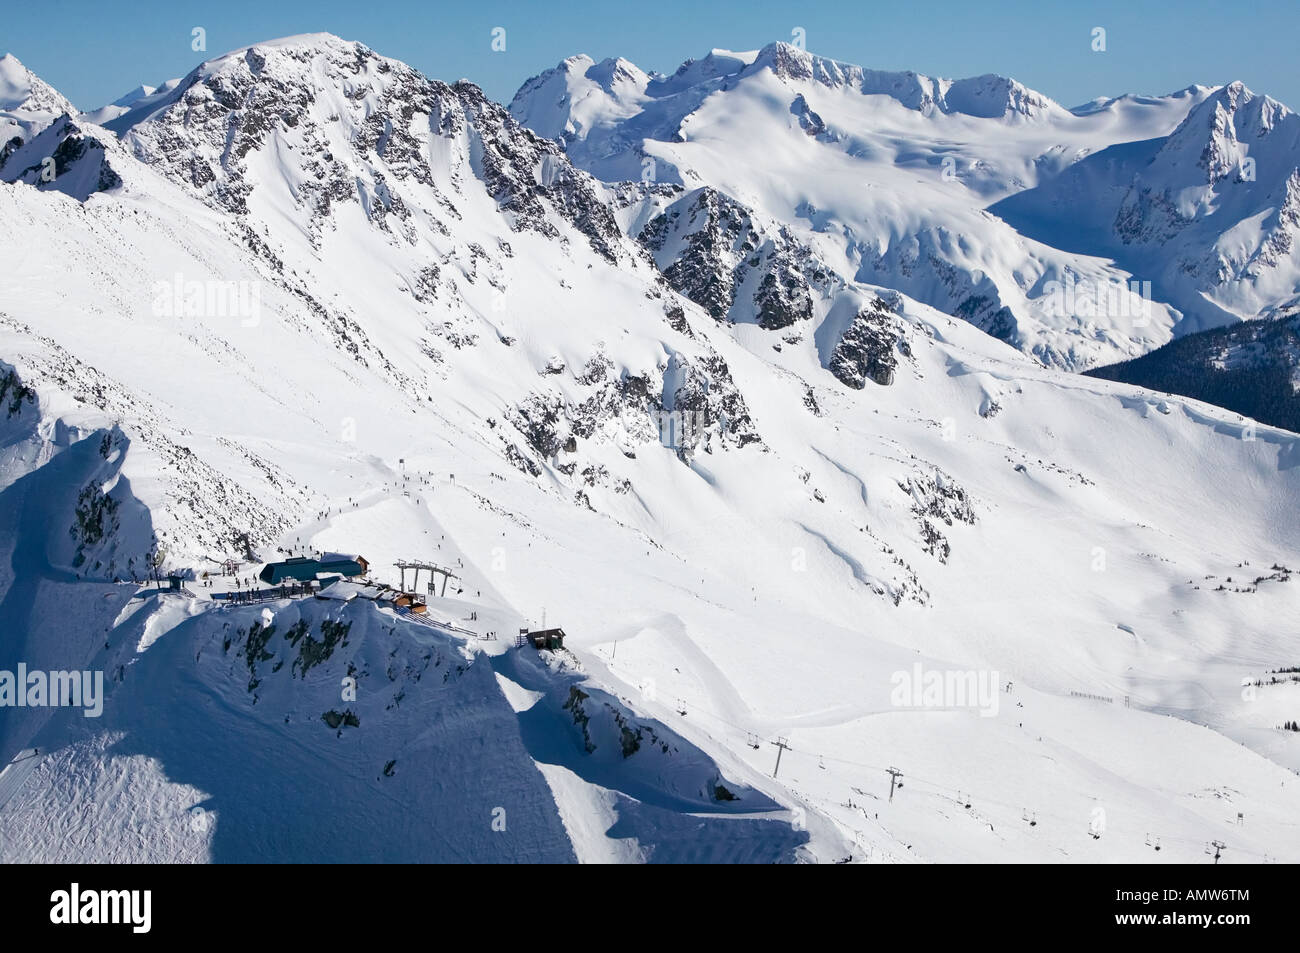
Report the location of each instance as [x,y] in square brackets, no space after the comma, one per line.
[306,569]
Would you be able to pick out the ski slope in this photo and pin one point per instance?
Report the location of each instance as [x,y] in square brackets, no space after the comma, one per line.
[459,355]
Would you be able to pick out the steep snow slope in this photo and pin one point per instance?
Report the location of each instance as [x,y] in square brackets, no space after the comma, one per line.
[889,178]
[453,353]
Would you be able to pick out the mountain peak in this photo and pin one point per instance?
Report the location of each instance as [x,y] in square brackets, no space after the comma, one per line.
[28,106]
[1236,98]
[1264,110]
[992,96]
[297,47]
[1218,133]
[285,62]
[793,63]
[612,70]
[1237,90]
[22,90]
[578,92]
[300,41]
[134,96]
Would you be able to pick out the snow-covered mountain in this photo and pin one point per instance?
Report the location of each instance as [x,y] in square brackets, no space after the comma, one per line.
[27,105]
[331,304]
[1046,227]
[1211,213]
[63,157]
[125,103]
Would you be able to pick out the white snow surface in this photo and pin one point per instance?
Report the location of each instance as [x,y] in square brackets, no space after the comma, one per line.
[454,356]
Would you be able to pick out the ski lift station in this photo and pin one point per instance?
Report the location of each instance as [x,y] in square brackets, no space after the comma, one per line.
[305,569]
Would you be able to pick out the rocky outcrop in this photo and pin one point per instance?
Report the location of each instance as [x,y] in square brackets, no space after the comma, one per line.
[690,404]
[713,251]
[62,158]
[868,349]
[937,499]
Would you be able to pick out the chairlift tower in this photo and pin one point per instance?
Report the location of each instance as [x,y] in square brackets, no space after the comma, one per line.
[434,570]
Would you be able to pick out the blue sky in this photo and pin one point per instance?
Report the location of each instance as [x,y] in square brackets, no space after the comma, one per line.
[95,51]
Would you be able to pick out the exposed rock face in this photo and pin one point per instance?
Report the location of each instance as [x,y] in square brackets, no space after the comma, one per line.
[783,297]
[699,242]
[713,251]
[689,404]
[937,498]
[9,148]
[868,348]
[809,121]
[539,421]
[512,156]
[710,393]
